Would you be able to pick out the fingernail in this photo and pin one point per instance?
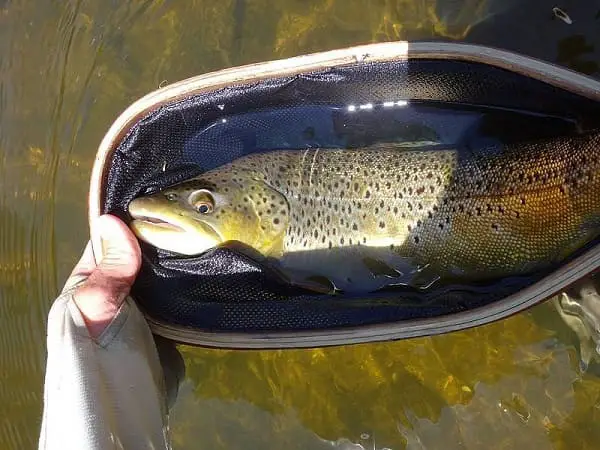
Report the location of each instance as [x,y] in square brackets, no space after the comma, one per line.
[104,244]
[104,236]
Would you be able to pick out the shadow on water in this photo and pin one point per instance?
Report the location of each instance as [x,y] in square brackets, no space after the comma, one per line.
[68,68]
[535,30]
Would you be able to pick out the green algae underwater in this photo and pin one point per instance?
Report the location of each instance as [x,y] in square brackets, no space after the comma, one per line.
[68,69]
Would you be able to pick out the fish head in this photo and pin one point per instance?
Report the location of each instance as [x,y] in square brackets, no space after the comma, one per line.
[200,214]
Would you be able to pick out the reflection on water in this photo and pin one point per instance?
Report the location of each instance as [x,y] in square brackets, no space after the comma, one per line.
[68,68]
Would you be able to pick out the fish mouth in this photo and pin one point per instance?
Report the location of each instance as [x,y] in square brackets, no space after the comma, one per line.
[178,224]
[149,221]
[144,215]
[171,230]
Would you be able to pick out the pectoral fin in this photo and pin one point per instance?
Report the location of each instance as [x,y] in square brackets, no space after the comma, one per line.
[358,270]
[310,281]
[301,279]
[378,267]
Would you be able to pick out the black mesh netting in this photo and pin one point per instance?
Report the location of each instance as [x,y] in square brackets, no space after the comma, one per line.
[226,291]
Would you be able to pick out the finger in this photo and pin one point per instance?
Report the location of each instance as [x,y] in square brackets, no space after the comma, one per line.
[86,263]
[121,255]
[101,295]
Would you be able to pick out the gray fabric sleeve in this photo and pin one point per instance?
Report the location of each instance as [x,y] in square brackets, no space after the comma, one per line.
[105,393]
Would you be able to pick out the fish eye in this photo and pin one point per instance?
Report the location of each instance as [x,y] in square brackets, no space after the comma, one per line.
[204,207]
[171,196]
[202,201]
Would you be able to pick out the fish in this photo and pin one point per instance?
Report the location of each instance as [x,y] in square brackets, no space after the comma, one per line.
[389,215]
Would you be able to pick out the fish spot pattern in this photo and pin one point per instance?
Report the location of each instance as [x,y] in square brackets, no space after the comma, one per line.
[488,212]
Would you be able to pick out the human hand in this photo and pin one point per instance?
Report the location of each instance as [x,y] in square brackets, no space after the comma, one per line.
[103,286]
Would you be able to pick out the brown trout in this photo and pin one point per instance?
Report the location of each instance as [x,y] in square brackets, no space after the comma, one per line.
[387,215]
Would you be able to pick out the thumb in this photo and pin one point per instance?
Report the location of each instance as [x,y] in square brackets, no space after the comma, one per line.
[102,294]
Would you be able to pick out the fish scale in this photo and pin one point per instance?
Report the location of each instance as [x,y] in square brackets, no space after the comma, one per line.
[481,214]
[340,198]
[431,204]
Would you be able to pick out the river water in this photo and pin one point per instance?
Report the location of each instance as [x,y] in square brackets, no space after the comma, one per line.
[68,68]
